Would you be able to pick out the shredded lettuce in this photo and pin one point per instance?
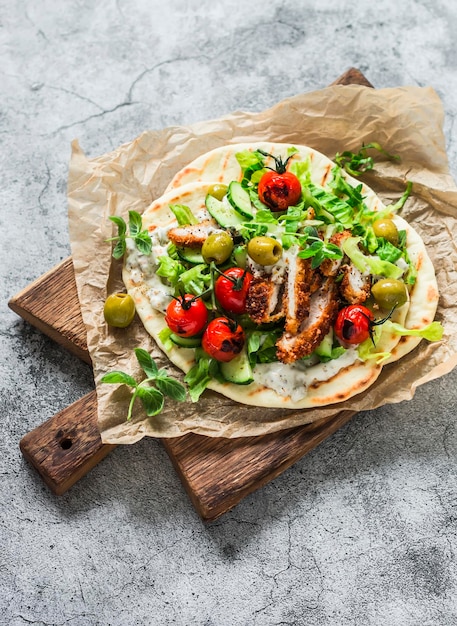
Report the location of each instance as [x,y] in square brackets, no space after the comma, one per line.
[249,159]
[164,336]
[171,269]
[196,280]
[183,214]
[369,264]
[387,251]
[198,378]
[431,332]
[201,373]
[367,349]
[261,346]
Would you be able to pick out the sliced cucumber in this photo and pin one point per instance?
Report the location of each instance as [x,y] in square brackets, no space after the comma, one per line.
[185,342]
[224,214]
[238,370]
[325,347]
[191,255]
[239,198]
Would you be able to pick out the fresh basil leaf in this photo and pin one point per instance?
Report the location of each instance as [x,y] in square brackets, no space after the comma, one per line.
[120,378]
[152,400]
[147,363]
[135,223]
[143,242]
[119,249]
[171,388]
[120,223]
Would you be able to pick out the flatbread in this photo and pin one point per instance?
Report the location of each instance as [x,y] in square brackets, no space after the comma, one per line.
[325,384]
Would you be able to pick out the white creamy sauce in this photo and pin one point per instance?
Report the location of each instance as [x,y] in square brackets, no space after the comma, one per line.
[142,270]
[293,380]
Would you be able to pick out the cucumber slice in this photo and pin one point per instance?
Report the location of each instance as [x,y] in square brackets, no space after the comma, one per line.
[185,342]
[325,347]
[224,214]
[238,370]
[240,200]
[191,255]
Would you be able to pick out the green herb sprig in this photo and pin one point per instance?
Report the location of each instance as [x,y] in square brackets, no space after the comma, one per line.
[152,397]
[318,249]
[357,163]
[140,237]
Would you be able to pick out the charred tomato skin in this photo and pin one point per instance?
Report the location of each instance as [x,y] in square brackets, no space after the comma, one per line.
[279,190]
[232,288]
[186,316]
[353,324]
[223,339]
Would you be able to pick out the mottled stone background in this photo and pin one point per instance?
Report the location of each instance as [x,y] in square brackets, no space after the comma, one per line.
[362,531]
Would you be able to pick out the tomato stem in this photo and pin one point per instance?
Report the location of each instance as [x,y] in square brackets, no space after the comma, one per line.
[237,282]
[280,165]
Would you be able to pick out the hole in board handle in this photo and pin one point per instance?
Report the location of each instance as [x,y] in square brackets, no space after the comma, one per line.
[66,443]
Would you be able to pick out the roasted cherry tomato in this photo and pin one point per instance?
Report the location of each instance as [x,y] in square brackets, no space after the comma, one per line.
[353,324]
[279,189]
[187,315]
[231,289]
[223,339]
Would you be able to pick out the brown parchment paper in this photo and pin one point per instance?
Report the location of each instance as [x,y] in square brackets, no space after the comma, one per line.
[406,121]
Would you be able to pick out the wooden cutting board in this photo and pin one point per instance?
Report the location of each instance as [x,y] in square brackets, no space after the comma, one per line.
[216,472]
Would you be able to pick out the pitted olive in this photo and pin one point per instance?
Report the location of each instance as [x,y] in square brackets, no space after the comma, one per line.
[119,310]
[389,292]
[264,250]
[217,247]
[218,190]
[386,228]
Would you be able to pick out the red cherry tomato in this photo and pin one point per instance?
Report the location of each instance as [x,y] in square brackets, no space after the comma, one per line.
[279,190]
[186,316]
[223,339]
[353,324]
[231,289]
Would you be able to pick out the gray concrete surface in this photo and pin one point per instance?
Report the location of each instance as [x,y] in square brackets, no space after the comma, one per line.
[360,532]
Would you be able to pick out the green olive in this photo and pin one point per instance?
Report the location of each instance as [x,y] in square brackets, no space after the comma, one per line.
[386,228]
[218,190]
[264,250]
[119,310]
[217,247]
[389,292]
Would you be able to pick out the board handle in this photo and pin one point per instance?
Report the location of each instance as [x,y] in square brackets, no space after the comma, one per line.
[67,446]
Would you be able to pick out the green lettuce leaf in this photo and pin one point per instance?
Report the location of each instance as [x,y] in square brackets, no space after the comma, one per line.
[183,214]
[365,263]
[169,268]
[196,280]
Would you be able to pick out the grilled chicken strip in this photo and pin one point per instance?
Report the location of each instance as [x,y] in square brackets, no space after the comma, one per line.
[323,309]
[302,281]
[193,235]
[265,300]
[355,287]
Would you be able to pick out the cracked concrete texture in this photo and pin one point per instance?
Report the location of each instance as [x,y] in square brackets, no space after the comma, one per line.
[362,531]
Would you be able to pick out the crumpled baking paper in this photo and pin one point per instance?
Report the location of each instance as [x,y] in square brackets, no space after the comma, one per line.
[406,121]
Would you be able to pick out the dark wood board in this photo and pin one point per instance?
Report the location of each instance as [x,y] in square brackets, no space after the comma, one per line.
[216,472]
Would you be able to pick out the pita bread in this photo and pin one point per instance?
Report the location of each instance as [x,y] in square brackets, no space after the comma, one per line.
[321,384]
